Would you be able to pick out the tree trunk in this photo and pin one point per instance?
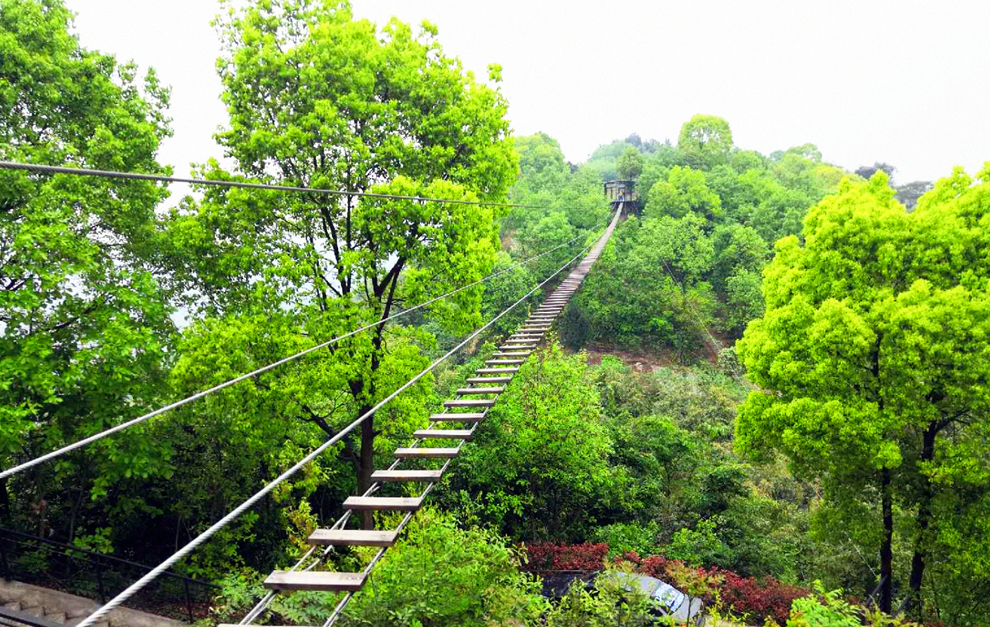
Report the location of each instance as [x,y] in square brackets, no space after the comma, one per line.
[5,514]
[915,605]
[886,544]
[367,464]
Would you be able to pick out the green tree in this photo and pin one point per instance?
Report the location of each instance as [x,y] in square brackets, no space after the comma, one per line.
[478,574]
[705,141]
[539,468]
[630,163]
[318,99]
[84,312]
[541,163]
[685,191]
[871,361]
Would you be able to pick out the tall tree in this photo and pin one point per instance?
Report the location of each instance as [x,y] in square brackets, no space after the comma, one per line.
[872,362]
[318,99]
[84,318]
[705,141]
[630,163]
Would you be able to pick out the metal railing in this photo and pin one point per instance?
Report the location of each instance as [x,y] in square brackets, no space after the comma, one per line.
[40,561]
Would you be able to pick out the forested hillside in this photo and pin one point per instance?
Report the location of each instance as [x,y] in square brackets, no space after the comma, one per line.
[770,391]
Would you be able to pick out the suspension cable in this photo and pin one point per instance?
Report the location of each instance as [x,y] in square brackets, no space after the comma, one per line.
[240,509]
[198,395]
[161,178]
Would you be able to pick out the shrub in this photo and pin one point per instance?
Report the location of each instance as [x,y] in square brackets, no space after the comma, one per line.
[625,537]
[546,556]
[759,599]
[539,470]
[478,574]
[611,605]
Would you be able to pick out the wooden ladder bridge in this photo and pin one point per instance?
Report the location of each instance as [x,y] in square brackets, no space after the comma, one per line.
[456,424]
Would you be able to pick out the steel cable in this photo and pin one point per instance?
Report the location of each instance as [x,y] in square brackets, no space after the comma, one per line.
[161,178]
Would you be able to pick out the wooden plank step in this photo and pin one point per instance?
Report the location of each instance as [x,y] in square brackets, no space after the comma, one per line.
[313,580]
[470,402]
[497,370]
[352,537]
[489,379]
[424,453]
[443,434]
[458,417]
[522,354]
[503,362]
[406,475]
[480,390]
[384,503]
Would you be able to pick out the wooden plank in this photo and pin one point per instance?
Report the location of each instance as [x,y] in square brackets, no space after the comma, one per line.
[352,537]
[406,475]
[313,580]
[470,402]
[443,434]
[489,379]
[458,417]
[480,390]
[383,503]
[497,370]
[424,453]
[504,362]
[522,354]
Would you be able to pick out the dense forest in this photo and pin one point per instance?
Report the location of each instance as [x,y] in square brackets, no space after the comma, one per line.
[771,390]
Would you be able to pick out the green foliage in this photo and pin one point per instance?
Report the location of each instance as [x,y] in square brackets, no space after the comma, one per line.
[700,546]
[477,574]
[631,299]
[622,538]
[610,604]
[630,163]
[684,192]
[541,164]
[504,290]
[826,609]
[538,469]
[84,309]
[316,98]
[705,141]
[241,589]
[871,358]
[711,215]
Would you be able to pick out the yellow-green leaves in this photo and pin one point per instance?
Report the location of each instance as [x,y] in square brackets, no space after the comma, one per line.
[874,353]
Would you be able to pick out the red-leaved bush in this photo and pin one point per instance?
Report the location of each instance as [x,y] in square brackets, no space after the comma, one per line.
[549,556]
[757,599]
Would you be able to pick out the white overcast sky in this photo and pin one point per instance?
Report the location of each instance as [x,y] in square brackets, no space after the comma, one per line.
[898,81]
